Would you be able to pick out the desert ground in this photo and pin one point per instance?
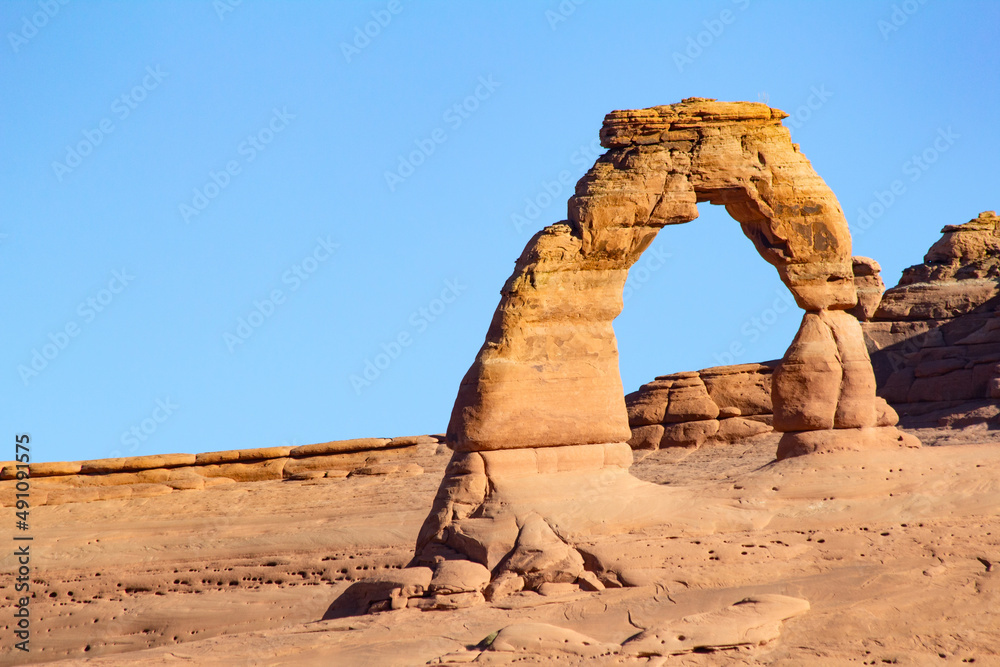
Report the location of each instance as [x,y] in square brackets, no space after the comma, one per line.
[896,552]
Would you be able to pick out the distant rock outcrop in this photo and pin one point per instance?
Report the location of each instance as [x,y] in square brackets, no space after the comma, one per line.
[721,404]
[934,340]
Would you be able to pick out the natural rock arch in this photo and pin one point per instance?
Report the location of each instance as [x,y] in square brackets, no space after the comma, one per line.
[539,425]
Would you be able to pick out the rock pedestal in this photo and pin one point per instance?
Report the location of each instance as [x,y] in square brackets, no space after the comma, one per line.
[823,391]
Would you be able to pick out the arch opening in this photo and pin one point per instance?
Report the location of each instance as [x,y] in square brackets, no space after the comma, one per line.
[698,297]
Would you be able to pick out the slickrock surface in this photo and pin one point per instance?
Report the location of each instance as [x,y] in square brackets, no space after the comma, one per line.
[935,338]
[878,558]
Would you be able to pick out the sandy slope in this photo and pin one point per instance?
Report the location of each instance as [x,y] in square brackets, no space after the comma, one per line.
[897,553]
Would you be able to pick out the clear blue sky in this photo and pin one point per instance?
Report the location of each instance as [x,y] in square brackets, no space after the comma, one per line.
[168,168]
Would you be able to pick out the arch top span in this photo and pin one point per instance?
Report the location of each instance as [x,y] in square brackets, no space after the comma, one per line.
[663,160]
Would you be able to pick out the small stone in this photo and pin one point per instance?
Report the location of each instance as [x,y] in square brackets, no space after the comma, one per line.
[503,586]
[552,589]
[589,581]
[447,602]
[459,576]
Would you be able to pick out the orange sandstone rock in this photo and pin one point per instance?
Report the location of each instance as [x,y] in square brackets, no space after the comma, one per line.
[540,413]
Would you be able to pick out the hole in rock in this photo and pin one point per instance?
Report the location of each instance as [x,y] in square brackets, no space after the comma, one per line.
[701,296]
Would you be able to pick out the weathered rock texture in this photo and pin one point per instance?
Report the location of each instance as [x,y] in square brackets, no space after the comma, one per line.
[868,282]
[935,338]
[540,426]
[715,405]
[749,622]
[159,474]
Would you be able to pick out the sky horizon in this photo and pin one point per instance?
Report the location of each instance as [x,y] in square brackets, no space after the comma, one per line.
[246,224]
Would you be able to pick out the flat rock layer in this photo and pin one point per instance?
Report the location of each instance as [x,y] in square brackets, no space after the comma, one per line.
[60,483]
[721,405]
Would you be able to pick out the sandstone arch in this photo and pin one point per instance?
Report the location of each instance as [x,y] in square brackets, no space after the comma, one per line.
[539,424]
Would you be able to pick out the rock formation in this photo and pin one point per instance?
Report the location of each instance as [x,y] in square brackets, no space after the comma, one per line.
[540,427]
[935,338]
[548,373]
[721,404]
[868,282]
[934,343]
[742,392]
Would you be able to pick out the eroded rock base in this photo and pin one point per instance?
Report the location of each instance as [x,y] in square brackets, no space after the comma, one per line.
[843,440]
[514,520]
